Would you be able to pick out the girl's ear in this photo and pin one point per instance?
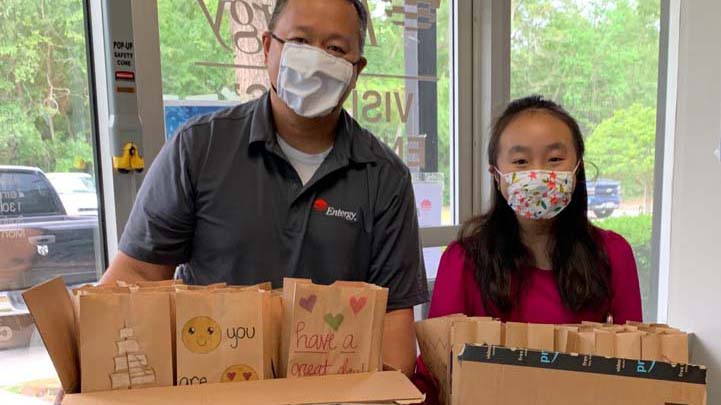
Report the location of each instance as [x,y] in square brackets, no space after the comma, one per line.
[580,166]
[496,177]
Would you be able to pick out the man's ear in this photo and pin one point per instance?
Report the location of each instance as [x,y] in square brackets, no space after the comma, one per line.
[361,65]
[267,42]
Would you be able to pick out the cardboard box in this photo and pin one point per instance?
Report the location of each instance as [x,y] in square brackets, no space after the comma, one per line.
[386,387]
[614,360]
[52,310]
[505,376]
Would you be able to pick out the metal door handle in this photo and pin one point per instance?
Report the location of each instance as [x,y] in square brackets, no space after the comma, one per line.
[42,240]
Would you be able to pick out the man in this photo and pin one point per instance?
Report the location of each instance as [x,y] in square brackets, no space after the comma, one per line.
[288,185]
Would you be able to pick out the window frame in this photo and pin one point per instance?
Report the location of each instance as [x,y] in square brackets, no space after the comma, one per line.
[665,140]
[481,88]
[663,164]
[121,189]
[117,190]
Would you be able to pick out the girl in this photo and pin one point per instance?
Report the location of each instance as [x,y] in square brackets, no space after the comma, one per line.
[534,256]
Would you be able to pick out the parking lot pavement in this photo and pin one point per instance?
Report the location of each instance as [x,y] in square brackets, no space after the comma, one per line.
[24,365]
[16,399]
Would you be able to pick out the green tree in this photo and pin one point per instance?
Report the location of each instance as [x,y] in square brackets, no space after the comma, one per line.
[623,147]
[637,231]
[44,104]
[187,38]
[593,57]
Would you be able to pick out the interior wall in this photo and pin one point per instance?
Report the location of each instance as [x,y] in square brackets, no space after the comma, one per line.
[694,285]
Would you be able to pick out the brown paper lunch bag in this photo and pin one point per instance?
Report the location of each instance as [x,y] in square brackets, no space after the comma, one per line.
[223,335]
[124,339]
[336,329]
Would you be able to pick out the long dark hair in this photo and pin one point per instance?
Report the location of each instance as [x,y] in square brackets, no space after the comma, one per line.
[492,242]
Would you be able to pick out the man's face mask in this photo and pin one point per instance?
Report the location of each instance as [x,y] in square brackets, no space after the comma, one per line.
[539,194]
[311,81]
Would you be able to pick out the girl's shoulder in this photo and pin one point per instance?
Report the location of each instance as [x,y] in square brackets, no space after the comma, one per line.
[455,250]
[614,243]
[457,257]
[620,256]
[453,258]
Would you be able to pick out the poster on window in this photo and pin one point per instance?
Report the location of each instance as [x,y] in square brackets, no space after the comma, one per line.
[178,112]
[428,189]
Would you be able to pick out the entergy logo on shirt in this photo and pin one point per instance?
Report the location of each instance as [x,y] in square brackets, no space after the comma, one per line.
[321,205]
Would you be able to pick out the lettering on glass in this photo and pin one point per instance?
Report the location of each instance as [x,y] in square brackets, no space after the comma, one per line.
[238,26]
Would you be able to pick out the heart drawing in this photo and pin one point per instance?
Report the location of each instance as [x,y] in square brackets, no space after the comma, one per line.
[357,304]
[334,321]
[240,371]
[308,302]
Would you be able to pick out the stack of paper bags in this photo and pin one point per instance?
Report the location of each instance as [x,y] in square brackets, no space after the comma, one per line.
[441,339]
[635,341]
[170,333]
[58,320]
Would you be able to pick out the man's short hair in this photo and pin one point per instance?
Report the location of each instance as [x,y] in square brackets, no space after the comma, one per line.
[359,8]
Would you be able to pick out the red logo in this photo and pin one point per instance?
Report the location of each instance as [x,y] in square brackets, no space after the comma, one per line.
[426,205]
[320,205]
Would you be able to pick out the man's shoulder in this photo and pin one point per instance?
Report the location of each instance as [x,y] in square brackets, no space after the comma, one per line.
[218,134]
[240,115]
[367,145]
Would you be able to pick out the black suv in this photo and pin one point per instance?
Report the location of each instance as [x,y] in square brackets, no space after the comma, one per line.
[38,241]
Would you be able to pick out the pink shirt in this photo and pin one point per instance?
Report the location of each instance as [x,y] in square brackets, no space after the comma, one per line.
[456,291]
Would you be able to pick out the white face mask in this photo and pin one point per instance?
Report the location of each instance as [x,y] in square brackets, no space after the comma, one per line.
[311,81]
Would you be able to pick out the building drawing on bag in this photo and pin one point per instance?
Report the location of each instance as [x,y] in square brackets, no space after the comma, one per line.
[131,366]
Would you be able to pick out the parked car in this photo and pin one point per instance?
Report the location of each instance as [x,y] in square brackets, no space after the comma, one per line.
[77,192]
[604,197]
[38,239]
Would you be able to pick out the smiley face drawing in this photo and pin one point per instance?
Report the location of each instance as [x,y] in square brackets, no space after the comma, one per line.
[201,335]
[238,373]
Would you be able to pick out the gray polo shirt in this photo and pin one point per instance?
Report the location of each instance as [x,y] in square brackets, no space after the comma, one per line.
[222,200]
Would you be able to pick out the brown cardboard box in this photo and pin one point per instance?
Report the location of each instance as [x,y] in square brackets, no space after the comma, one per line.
[484,331]
[436,338]
[387,387]
[54,316]
[622,357]
[504,376]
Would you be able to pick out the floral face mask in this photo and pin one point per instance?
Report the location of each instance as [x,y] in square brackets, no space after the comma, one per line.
[539,194]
